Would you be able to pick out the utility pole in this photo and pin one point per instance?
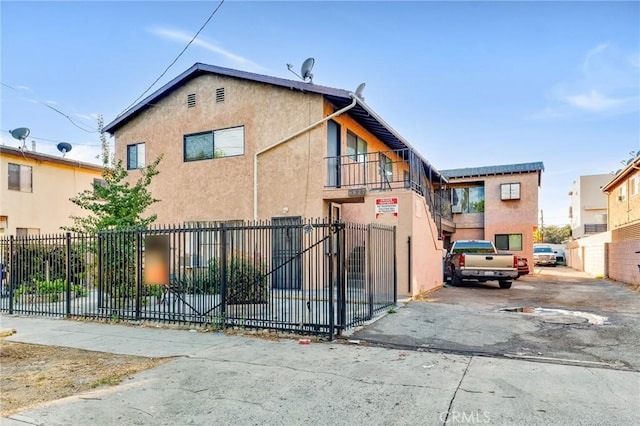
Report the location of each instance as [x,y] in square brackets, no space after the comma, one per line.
[541,226]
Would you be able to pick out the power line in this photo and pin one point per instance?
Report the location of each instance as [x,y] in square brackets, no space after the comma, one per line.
[175,60]
[54,141]
[71,120]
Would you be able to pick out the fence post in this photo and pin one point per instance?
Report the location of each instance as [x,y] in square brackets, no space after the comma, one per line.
[12,272]
[342,284]
[409,261]
[68,274]
[100,266]
[138,273]
[395,267]
[329,258]
[223,271]
[369,252]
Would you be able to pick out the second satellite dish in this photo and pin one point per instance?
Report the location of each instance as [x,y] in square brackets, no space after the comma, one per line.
[305,70]
[64,147]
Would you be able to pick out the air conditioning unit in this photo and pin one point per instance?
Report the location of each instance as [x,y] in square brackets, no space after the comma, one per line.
[620,198]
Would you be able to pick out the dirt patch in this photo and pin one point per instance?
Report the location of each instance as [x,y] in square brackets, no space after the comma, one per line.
[34,374]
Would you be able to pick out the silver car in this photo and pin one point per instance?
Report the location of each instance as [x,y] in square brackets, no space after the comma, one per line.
[544,255]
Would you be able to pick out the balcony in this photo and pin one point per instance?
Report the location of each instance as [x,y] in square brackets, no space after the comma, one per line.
[594,228]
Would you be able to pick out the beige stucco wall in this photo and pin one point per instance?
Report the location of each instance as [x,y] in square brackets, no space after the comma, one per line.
[588,253]
[290,175]
[502,217]
[47,207]
[627,211]
[588,202]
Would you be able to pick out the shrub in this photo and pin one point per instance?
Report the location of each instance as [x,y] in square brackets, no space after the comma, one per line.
[246,280]
[53,288]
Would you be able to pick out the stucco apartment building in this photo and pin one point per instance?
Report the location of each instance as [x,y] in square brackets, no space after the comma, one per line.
[623,200]
[497,203]
[36,188]
[240,146]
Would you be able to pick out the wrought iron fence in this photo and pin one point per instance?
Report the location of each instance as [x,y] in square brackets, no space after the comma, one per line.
[291,275]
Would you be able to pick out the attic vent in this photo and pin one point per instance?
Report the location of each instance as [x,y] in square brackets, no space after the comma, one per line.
[220,94]
[191,100]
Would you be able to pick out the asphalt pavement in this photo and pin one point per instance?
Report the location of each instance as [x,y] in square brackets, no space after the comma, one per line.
[244,380]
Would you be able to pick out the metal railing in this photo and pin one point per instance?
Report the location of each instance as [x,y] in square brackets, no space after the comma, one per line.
[388,171]
[593,228]
[309,277]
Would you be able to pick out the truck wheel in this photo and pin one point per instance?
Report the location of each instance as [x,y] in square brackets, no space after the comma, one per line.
[505,284]
[455,279]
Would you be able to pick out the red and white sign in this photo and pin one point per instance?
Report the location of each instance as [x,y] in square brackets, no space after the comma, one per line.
[387,205]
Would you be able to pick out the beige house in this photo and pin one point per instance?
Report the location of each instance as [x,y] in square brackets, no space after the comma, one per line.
[240,146]
[36,188]
[623,199]
[497,203]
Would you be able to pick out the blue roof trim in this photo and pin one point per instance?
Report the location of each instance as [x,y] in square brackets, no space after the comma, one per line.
[494,170]
[339,98]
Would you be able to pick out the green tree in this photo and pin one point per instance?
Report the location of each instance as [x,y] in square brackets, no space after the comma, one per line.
[116,203]
[553,234]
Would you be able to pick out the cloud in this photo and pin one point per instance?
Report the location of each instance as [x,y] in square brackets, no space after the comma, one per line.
[183,37]
[607,84]
[594,101]
[591,53]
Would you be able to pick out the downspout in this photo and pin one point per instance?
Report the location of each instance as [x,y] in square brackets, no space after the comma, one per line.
[287,139]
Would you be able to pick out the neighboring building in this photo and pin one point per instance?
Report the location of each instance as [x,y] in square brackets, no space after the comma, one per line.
[36,188]
[588,205]
[240,146]
[497,203]
[623,196]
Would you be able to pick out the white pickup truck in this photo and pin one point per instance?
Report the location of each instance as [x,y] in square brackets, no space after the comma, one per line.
[479,260]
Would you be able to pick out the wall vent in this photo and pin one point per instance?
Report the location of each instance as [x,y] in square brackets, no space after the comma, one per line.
[191,100]
[220,94]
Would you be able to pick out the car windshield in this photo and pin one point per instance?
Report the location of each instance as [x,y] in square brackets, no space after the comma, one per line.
[542,250]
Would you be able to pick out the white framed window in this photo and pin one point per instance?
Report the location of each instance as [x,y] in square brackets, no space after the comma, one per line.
[214,144]
[622,192]
[510,191]
[635,185]
[136,156]
[20,178]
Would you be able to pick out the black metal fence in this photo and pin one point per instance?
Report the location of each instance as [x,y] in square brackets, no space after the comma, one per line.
[309,277]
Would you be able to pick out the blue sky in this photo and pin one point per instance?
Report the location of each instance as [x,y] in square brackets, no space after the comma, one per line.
[466,83]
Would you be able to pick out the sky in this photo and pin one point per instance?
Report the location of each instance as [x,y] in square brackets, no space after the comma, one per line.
[467,84]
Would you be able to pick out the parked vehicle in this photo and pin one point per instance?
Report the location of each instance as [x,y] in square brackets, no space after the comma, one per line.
[523,266]
[543,256]
[479,260]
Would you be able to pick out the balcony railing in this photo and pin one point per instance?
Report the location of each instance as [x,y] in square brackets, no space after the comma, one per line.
[387,171]
[594,228]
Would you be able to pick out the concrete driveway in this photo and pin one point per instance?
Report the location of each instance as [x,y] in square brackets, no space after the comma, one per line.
[552,315]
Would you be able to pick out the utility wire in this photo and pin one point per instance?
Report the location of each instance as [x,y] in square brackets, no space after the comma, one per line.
[175,60]
[71,120]
[54,141]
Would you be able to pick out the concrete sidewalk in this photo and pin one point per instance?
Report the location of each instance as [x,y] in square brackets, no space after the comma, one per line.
[237,380]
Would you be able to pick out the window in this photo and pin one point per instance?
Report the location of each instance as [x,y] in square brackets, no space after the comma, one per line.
[386,168]
[468,200]
[135,156]
[622,194]
[25,232]
[356,148]
[636,185]
[510,191]
[509,241]
[214,144]
[20,178]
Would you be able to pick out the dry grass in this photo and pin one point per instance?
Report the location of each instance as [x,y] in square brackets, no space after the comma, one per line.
[34,374]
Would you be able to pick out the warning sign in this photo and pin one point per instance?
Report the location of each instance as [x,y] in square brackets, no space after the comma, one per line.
[387,205]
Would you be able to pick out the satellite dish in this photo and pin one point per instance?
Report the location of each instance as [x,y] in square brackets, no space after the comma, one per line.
[359,91]
[306,68]
[21,133]
[64,147]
